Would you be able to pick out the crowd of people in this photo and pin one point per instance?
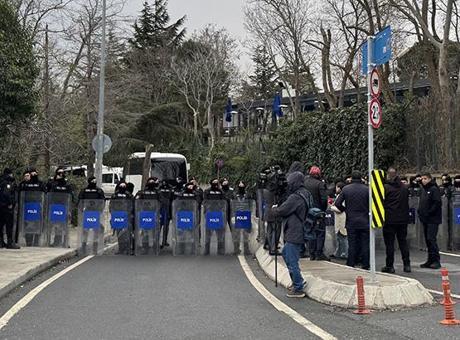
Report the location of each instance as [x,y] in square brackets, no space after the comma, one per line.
[304,235]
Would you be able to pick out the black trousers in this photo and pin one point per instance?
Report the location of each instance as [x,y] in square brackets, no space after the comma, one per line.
[273,235]
[6,222]
[431,232]
[316,246]
[358,246]
[398,231]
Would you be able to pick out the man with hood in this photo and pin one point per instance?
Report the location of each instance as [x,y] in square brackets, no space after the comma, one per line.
[430,214]
[293,212]
[296,166]
[396,219]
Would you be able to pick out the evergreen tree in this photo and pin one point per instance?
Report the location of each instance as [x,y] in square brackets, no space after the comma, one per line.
[18,69]
[264,78]
[152,30]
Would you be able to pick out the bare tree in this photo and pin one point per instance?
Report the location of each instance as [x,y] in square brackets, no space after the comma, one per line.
[204,75]
[282,26]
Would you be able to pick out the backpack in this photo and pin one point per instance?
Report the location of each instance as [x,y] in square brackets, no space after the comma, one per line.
[313,215]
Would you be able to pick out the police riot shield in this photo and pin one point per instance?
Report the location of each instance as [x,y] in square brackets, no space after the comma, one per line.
[241,224]
[260,215]
[121,222]
[444,227]
[147,226]
[58,218]
[215,227]
[456,220]
[412,240]
[91,223]
[185,232]
[31,218]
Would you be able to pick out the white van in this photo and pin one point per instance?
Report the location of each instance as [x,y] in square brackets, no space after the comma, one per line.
[110,176]
[110,179]
[165,166]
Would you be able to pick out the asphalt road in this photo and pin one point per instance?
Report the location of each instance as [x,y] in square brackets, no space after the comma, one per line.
[165,297]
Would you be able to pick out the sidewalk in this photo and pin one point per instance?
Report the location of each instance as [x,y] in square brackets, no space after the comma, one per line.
[18,266]
[335,284]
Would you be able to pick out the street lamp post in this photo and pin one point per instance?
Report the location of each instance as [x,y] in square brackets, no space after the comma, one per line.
[100,116]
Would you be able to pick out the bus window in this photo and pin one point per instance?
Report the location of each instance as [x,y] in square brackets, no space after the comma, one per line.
[135,166]
[107,178]
[169,169]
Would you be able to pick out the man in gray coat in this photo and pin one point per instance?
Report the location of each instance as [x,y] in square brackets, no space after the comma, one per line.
[293,212]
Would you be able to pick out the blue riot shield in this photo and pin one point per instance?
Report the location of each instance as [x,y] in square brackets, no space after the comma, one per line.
[214,228]
[91,224]
[241,224]
[58,218]
[147,226]
[31,218]
[185,233]
[121,222]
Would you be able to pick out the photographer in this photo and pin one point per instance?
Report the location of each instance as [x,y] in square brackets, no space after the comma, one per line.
[293,212]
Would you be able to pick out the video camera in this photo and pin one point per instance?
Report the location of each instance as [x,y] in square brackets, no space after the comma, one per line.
[273,179]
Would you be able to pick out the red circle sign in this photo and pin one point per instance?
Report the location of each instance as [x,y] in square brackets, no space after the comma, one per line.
[375,83]
[375,113]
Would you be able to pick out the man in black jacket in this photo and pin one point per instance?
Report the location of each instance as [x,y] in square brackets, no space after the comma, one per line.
[7,202]
[356,198]
[396,219]
[430,214]
[318,190]
[293,211]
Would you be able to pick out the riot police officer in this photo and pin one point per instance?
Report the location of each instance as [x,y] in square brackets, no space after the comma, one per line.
[214,193]
[147,232]
[124,235]
[241,202]
[185,207]
[32,183]
[166,197]
[59,185]
[7,203]
[91,191]
[91,194]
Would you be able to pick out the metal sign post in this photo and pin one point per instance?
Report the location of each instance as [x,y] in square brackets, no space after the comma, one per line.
[370,146]
[100,116]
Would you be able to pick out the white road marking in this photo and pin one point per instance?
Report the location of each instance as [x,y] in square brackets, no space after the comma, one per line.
[449,254]
[280,306]
[34,292]
[441,293]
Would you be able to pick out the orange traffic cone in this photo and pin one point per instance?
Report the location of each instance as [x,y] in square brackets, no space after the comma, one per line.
[445,278]
[361,300]
[448,307]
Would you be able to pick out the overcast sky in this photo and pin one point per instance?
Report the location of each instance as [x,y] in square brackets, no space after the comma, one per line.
[224,13]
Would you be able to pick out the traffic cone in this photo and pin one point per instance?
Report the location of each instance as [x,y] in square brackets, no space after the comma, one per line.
[449,312]
[445,278]
[361,300]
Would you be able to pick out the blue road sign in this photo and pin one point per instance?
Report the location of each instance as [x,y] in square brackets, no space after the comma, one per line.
[382,49]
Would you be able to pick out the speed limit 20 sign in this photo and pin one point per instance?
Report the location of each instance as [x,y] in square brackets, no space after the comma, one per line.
[375,109]
[375,113]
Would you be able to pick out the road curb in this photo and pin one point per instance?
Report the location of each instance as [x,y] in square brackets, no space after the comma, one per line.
[402,293]
[35,271]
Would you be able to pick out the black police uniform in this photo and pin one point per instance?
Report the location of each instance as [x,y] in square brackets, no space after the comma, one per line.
[8,191]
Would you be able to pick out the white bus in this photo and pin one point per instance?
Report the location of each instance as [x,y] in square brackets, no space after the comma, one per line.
[165,166]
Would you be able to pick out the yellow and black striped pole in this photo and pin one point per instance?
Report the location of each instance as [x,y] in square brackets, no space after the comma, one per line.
[378,197]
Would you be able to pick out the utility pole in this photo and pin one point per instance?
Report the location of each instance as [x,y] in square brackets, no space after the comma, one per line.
[100,116]
[370,131]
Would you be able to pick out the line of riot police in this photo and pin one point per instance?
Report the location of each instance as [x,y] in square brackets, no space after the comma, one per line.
[42,211]
[217,220]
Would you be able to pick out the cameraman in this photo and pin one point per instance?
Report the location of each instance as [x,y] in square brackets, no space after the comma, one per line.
[293,212]
[276,186]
